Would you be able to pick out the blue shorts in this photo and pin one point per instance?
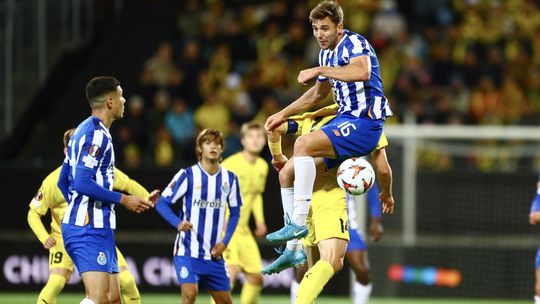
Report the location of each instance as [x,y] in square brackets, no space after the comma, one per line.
[357,241]
[352,136]
[209,274]
[537,260]
[91,249]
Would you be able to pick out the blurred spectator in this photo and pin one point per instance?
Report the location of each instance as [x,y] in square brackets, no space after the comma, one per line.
[485,104]
[388,23]
[160,70]
[190,19]
[191,64]
[179,123]
[163,151]
[213,113]
[156,115]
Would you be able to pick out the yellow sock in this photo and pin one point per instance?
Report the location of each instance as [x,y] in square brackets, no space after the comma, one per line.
[250,293]
[128,288]
[50,292]
[313,282]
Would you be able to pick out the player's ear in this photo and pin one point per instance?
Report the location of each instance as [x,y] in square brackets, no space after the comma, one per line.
[340,28]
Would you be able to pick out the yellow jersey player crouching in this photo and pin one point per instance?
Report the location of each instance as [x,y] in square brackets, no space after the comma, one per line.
[242,254]
[327,222]
[50,197]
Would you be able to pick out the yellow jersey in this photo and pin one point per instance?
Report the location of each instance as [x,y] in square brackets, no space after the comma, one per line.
[252,181]
[50,197]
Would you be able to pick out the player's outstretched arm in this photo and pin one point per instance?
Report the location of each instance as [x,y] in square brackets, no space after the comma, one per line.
[384,174]
[310,98]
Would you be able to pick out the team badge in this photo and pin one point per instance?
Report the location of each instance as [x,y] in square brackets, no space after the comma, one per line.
[336,132]
[184,272]
[225,188]
[94,150]
[101,259]
[39,196]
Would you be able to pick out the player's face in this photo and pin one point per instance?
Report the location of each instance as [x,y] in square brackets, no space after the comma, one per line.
[211,150]
[118,102]
[326,33]
[254,141]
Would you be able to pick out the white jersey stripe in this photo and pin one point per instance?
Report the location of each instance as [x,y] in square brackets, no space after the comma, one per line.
[194,219]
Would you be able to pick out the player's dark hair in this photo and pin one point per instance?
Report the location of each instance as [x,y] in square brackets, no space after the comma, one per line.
[208,135]
[99,86]
[327,8]
[251,125]
[67,136]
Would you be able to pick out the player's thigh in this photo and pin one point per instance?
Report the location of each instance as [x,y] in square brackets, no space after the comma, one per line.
[333,251]
[96,284]
[358,260]
[315,144]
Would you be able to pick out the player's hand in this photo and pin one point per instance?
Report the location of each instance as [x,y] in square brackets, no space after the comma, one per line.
[279,161]
[376,229]
[534,217]
[185,226]
[135,203]
[387,202]
[217,250]
[274,121]
[308,74]
[154,196]
[49,243]
[260,229]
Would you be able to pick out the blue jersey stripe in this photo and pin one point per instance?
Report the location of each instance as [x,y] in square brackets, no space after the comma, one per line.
[202,212]
[215,215]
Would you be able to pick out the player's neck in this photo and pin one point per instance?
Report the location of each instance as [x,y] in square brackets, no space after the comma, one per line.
[249,156]
[106,119]
[209,166]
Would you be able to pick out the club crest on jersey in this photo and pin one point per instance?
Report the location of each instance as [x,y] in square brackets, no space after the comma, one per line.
[93,150]
[39,196]
[101,259]
[184,272]
[225,188]
[336,132]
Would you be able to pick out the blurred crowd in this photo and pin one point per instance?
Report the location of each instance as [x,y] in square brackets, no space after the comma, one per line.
[442,62]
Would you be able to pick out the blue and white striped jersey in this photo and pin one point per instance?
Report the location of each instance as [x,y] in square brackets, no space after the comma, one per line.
[204,200]
[90,148]
[359,99]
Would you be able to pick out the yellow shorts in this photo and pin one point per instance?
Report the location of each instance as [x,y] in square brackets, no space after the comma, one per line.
[327,217]
[59,258]
[243,252]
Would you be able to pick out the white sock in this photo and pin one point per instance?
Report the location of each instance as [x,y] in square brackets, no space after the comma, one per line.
[294,290]
[536,300]
[87,301]
[287,200]
[304,179]
[362,293]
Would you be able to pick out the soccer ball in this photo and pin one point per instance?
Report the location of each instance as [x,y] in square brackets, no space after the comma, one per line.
[355,176]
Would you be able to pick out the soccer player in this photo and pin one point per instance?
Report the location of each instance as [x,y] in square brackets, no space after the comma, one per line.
[534,218]
[348,65]
[356,249]
[86,181]
[242,254]
[61,265]
[328,221]
[205,190]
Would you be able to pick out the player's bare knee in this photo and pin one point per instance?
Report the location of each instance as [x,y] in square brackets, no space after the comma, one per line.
[189,296]
[337,265]
[301,146]
[286,176]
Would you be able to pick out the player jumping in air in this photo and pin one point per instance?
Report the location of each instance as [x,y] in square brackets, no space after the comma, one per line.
[204,190]
[348,65]
[328,220]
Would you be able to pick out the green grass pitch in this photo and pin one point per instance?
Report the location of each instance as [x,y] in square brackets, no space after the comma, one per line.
[149,298]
